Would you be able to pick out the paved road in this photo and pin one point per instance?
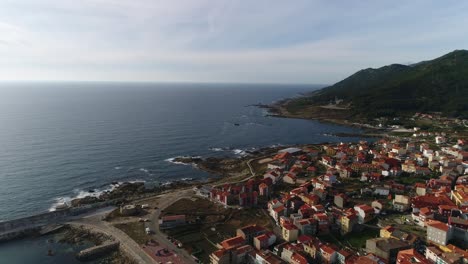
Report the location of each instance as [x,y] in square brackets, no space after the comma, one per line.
[166,201]
[93,221]
[126,243]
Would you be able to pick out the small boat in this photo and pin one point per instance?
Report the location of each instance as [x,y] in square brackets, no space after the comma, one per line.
[236,124]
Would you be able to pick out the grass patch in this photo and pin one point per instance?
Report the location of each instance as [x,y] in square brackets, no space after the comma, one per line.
[358,240]
[135,230]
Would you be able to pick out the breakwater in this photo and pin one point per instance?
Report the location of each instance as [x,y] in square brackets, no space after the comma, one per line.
[97,251]
[23,226]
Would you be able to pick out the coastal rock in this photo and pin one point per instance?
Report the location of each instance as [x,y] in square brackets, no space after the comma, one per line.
[85,200]
[188,160]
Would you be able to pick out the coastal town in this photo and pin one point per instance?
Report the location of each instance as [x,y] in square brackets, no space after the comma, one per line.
[398,198]
[390,201]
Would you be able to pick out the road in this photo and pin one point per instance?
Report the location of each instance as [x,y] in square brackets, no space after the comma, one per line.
[94,221]
[127,244]
[166,201]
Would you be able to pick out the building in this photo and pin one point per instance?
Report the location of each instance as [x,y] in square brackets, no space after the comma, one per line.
[401,203]
[460,196]
[386,248]
[171,221]
[432,253]
[264,241]
[364,212]
[249,232]
[438,233]
[340,200]
[221,256]
[290,232]
[267,257]
[328,253]
[348,222]
[343,255]
[232,242]
[410,256]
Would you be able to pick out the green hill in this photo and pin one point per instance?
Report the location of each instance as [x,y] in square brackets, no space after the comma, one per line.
[439,85]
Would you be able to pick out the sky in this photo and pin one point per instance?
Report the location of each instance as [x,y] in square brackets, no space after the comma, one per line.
[243,41]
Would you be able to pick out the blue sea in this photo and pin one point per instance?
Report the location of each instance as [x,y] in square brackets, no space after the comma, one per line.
[60,140]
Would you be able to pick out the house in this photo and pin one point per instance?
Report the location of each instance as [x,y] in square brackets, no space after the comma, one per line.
[328,253]
[298,258]
[241,254]
[348,222]
[277,212]
[386,232]
[459,196]
[343,255]
[274,175]
[367,259]
[430,201]
[290,178]
[340,200]
[290,232]
[171,221]
[248,198]
[232,242]
[264,189]
[409,256]
[438,233]
[310,199]
[401,203]
[424,215]
[382,191]
[267,257]
[289,250]
[432,253]
[323,222]
[379,205]
[386,248]
[307,226]
[364,212]
[264,241]
[250,231]
[221,256]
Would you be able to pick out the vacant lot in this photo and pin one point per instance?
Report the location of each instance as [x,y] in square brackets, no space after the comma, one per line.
[215,223]
[135,230]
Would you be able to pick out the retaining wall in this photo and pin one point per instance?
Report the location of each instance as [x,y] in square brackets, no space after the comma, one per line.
[96,251]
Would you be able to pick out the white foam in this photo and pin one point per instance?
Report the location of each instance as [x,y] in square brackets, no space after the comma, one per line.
[171,160]
[66,200]
[217,149]
[145,170]
[239,152]
[186,179]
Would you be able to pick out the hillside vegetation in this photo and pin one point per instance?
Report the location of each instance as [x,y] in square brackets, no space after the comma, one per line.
[439,85]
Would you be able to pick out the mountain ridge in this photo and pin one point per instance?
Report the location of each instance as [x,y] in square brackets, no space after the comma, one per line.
[438,85]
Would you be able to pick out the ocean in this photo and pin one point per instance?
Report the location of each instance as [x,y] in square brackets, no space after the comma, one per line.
[61,140]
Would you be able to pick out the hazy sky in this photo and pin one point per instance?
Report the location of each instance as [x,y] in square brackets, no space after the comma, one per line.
[221,41]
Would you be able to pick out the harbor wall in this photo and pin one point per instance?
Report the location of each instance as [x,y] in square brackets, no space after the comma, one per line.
[46,218]
[97,251]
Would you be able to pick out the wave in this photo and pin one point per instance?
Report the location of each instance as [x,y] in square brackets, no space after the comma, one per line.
[145,170]
[65,201]
[172,160]
[217,149]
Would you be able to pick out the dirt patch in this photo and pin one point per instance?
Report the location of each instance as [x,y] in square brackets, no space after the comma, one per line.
[211,223]
[135,230]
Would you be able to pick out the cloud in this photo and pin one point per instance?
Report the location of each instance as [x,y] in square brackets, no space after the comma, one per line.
[234,41]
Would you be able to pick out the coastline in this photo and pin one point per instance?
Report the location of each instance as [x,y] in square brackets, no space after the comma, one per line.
[317,113]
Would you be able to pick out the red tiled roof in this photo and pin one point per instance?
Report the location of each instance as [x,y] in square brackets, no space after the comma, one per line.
[233,242]
[438,225]
[328,249]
